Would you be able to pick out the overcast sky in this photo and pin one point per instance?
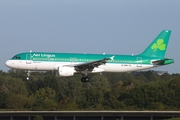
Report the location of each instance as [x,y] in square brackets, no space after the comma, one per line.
[88,26]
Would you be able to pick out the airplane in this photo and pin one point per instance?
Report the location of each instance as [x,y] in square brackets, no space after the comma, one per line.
[68,64]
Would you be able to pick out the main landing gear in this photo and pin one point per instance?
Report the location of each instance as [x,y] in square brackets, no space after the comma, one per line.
[85,79]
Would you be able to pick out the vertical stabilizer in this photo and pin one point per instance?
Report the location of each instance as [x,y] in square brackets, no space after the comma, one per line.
[158,47]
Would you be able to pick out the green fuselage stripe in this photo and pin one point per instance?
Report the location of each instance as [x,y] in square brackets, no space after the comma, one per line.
[70,57]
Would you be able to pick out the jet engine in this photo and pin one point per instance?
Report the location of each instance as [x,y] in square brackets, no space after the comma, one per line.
[66,71]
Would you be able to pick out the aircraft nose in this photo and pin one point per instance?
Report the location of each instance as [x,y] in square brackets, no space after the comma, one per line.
[8,63]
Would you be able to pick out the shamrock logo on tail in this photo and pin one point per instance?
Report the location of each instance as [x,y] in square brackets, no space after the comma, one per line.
[159,45]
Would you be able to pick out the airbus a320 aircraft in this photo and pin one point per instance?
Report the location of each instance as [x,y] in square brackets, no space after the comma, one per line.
[68,64]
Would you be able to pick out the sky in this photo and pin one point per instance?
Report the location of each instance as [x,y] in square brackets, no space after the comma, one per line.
[88,26]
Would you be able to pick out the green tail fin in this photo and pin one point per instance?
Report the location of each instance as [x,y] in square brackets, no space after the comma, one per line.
[158,47]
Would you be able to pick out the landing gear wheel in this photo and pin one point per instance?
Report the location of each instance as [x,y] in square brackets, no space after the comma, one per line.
[82,79]
[85,79]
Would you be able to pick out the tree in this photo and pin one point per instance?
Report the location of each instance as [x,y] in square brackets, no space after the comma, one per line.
[3,97]
[16,101]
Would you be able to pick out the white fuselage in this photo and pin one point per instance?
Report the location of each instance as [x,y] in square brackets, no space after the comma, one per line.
[53,66]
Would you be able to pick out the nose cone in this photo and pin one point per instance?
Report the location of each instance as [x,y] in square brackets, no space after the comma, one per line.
[8,63]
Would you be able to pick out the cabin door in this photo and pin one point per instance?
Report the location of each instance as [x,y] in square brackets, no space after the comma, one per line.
[139,62]
[28,59]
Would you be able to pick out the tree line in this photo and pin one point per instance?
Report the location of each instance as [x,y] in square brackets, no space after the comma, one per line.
[110,91]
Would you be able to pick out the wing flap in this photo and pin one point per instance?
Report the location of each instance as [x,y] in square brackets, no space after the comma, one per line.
[89,66]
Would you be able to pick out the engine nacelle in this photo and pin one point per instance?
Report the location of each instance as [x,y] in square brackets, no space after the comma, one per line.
[66,71]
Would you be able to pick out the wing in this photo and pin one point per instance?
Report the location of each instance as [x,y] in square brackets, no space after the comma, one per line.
[89,66]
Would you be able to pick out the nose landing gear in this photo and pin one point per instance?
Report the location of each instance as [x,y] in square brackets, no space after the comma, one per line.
[28,74]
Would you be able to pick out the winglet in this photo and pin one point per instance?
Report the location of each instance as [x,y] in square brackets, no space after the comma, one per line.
[112,58]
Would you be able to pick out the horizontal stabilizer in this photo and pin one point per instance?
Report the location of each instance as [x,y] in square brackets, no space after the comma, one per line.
[162,62]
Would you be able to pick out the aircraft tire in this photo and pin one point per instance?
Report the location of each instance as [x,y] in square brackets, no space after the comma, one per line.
[85,79]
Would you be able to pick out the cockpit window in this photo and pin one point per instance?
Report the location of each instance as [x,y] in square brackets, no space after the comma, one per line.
[16,57]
